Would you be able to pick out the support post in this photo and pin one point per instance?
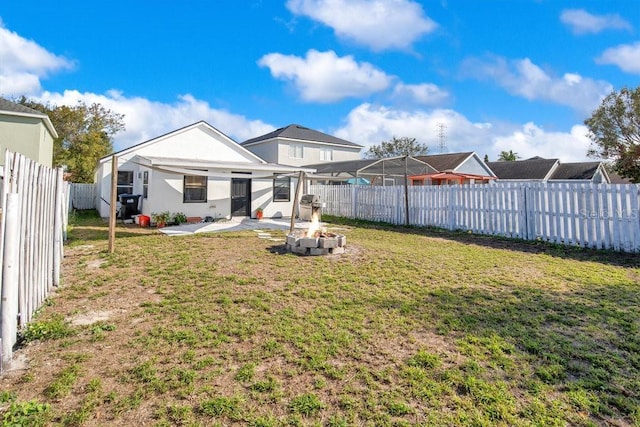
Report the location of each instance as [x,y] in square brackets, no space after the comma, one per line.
[112,207]
[406,192]
[296,199]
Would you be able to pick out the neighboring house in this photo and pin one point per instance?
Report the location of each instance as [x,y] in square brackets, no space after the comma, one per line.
[296,145]
[615,178]
[538,169]
[198,171]
[26,131]
[533,169]
[594,172]
[454,168]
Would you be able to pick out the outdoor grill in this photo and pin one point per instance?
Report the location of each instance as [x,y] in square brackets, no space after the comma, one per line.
[309,205]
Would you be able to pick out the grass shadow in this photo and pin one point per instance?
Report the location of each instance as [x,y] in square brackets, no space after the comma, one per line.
[577,253]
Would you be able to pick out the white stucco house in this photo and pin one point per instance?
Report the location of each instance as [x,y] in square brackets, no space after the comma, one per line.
[296,145]
[26,131]
[198,171]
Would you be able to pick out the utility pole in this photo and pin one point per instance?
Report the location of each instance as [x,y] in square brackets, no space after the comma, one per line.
[442,137]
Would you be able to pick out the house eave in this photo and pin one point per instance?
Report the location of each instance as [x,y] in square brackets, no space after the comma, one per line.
[46,120]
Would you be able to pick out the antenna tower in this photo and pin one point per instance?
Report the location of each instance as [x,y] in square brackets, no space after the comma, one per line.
[442,137]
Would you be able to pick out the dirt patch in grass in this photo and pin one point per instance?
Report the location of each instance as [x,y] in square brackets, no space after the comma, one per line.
[404,328]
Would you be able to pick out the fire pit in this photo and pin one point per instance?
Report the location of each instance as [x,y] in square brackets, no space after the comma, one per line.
[315,240]
[318,243]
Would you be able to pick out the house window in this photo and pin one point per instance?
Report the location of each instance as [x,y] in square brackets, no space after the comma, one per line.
[125,182]
[145,184]
[326,154]
[195,189]
[282,189]
[296,151]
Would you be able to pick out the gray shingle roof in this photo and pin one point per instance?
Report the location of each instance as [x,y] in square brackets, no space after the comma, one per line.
[617,179]
[584,170]
[301,133]
[535,168]
[12,107]
[445,162]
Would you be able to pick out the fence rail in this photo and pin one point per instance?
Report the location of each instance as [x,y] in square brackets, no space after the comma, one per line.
[34,216]
[589,215]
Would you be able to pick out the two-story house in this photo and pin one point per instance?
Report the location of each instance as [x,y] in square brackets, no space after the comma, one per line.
[296,145]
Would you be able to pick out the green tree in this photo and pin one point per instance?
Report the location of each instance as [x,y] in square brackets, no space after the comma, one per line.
[614,129]
[508,156]
[404,146]
[85,134]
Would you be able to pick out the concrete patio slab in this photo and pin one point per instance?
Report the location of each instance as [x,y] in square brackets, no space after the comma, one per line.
[235,224]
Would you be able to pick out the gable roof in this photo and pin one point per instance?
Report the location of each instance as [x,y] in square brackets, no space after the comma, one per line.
[301,133]
[201,123]
[534,168]
[616,178]
[14,109]
[584,170]
[446,162]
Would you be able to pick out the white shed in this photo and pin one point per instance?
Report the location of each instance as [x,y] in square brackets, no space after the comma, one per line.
[200,172]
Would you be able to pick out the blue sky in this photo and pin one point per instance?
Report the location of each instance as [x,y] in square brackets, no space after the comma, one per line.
[497,75]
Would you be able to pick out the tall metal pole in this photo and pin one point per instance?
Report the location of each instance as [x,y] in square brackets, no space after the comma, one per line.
[406,192]
[112,207]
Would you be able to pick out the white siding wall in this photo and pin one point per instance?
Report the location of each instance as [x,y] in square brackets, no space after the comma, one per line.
[311,154]
[474,166]
[195,143]
[27,136]
[267,151]
[262,190]
[170,187]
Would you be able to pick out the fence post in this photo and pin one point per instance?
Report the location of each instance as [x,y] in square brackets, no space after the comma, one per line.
[354,201]
[452,198]
[10,274]
[58,227]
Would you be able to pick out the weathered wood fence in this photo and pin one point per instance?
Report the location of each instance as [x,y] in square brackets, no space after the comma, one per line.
[82,196]
[34,215]
[588,215]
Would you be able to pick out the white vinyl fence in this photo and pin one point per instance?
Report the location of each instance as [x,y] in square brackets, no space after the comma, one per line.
[589,215]
[34,215]
[82,196]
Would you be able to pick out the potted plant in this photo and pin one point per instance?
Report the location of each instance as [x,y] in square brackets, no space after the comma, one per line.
[259,213]
[179,218]
[161,218]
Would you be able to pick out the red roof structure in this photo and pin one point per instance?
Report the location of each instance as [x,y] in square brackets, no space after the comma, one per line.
[447,178]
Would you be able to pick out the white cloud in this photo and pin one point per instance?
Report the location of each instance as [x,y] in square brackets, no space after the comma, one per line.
[625,56]
[378,24]
[145,119]
[325,77]
[582,22]
[369,125]
[425,93]
[526,79]
[531,140]
[24,63]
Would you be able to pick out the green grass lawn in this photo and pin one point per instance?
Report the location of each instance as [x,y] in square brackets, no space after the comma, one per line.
[409,327]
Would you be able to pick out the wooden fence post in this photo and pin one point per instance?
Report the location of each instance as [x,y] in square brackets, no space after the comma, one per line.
[10,274]
[112,208]
[58,227]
